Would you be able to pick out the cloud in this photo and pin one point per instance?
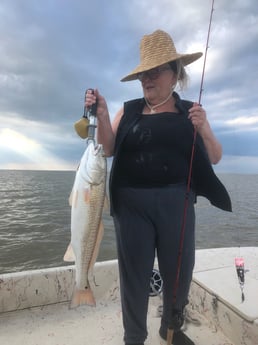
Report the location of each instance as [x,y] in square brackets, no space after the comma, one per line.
[243,121]
[238,164]
[52,51]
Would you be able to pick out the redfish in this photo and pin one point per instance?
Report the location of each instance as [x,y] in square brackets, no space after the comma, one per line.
[87,201]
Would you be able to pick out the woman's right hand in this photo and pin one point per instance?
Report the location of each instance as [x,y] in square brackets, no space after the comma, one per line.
[91,98]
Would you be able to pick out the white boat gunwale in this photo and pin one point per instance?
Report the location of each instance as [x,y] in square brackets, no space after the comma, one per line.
[53,286]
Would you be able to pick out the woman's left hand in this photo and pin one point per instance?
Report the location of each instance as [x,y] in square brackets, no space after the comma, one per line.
[198,116]
[199,120]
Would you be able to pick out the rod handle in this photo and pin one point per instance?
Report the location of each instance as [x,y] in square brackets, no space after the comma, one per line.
[92,111]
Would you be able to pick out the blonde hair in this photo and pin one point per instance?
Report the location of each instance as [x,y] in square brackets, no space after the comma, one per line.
[178,67]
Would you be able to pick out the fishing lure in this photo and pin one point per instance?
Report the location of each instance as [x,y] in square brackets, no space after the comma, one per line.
[240,268]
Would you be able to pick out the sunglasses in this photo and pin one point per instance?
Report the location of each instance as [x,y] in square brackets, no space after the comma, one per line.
[153,73]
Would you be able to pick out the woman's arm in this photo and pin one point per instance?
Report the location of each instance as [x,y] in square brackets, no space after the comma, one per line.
[199,119]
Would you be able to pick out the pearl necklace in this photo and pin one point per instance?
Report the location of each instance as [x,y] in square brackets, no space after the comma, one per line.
[153,107]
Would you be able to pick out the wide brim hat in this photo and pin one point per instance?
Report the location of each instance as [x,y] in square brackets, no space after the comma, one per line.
[157,49]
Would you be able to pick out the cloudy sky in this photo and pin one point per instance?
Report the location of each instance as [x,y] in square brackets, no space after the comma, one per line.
[52,50]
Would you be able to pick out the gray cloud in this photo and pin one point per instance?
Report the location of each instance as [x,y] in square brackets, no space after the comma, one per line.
[52,51]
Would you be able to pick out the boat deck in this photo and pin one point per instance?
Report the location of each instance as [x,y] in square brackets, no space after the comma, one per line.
[215,311]
[57,325]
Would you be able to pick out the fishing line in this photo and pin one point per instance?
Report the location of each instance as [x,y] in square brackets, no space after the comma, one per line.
[188,188]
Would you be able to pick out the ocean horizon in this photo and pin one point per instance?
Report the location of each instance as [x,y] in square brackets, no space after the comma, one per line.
[35,218]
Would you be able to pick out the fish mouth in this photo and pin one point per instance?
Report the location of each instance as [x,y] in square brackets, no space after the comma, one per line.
[98,149]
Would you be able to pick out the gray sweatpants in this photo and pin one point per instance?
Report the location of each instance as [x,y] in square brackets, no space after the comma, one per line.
[149,221]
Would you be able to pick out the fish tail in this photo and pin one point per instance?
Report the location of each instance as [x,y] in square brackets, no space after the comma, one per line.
[82,297]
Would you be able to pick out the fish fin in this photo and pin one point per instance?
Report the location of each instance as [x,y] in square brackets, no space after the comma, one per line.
[106,203]
[82,297]
[71,198]
[97,245]
[69,254]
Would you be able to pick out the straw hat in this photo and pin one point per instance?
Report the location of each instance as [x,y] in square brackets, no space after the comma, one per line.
[157,49]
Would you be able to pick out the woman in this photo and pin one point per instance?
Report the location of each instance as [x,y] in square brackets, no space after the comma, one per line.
[151,139]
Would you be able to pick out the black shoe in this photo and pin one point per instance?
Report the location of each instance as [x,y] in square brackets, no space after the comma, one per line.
[179,337]
[178,318]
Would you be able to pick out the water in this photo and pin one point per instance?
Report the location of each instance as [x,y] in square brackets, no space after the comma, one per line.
[35,219]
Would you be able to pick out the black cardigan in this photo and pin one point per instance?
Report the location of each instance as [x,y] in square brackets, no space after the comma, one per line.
[205,181]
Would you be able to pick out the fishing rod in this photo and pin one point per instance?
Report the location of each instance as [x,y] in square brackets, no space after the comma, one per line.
[170,331]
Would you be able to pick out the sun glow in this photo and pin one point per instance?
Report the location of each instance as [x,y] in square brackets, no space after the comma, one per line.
[17,141]
[36,157]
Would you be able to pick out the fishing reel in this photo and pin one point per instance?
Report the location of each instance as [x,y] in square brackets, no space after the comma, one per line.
[86,126]
[156,283]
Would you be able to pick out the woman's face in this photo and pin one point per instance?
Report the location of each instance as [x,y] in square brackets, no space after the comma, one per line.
[157,83]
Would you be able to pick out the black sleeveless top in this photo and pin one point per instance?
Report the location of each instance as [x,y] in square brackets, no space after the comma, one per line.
[204,181]
[154,152]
